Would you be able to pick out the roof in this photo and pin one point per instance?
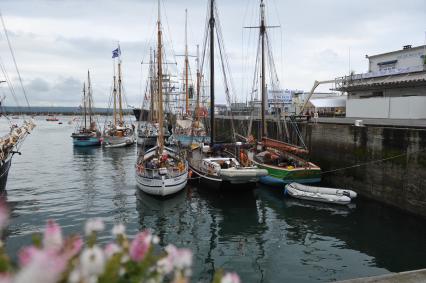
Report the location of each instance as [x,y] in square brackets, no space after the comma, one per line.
[392,81]
[398,51]
[329,102]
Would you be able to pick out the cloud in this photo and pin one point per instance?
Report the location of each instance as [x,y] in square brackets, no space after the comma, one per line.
[56,42]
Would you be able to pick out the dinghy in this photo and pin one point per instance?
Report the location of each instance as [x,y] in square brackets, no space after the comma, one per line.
[326,191]
[327,195]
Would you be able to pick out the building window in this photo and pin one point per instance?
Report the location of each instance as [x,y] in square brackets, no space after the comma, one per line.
[387,65]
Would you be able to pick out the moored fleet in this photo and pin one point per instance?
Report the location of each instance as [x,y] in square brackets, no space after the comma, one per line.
[175,131]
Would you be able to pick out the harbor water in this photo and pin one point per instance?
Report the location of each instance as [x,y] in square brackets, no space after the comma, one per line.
[260,234]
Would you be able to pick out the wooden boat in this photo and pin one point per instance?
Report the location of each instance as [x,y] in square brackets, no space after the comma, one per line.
[214,166]
[161,171]
[118,133]
[326,195]
[285,162]
[87,134]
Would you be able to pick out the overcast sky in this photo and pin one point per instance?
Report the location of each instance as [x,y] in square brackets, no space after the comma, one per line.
[57,41]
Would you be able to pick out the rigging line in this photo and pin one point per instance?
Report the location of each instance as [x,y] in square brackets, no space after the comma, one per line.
[14,60]
[10,85]
[374,161]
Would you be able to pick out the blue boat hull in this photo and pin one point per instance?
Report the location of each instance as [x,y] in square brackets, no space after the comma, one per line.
[275,182]
[90,141]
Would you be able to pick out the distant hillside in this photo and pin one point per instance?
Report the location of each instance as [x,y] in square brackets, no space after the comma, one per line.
[56,110]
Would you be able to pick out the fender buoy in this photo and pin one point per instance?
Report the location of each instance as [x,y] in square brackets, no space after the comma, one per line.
[190,174]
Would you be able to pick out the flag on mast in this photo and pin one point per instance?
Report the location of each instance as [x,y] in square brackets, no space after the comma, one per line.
[116,53]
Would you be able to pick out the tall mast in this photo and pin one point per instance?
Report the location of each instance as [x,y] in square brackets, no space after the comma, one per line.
[114,93]
[120,105]
[151,86]
[186,64]
[263,75]
[160,84]
[84,105]
[197,107]
[89,93]
[212,24]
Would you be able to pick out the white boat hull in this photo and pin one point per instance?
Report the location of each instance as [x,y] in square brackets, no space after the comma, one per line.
[291,190]
[112,142]
[162,187]
[242,175]
[326,191]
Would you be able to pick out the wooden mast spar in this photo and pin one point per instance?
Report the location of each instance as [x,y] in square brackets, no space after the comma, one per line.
[160,84]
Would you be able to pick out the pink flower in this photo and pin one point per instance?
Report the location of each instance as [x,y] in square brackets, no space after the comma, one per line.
[4,214]
[27,254]
[52,236]
[230,277]
[5,278]
[140,246]
[43,267]
[73,246]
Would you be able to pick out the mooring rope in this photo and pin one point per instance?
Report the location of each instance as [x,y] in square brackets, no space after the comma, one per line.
[373,161]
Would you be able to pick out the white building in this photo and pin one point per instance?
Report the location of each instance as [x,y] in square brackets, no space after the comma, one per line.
[394,86]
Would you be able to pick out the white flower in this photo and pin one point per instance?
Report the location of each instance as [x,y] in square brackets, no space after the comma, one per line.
[112,249]
[92,262]
[118,229]
[155,240]
[94,225]
[75,276]
[231,277]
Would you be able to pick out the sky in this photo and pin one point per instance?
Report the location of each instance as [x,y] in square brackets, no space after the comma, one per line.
[56,41]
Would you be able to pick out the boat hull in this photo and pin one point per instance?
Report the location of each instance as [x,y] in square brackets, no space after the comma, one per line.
[162,187]
[86,141]
[147,141]
[279,177]
[220,183]
[4,172]
[112,142]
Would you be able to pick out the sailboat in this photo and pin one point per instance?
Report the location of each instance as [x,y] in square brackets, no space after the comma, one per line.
[117,133]
[148,131]
[218,165]
[87,134]
[11,141]
[161,170]
[189,129]
[284,161]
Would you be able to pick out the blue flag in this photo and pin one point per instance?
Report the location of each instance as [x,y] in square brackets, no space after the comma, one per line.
[116,52]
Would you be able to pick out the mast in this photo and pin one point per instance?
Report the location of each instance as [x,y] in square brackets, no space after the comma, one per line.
[263,75]
[151,87]
[212,24]
[114,93]
[120,105]
[84,105]
[197,107]
[89,93]
[186,64]
[160,84]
